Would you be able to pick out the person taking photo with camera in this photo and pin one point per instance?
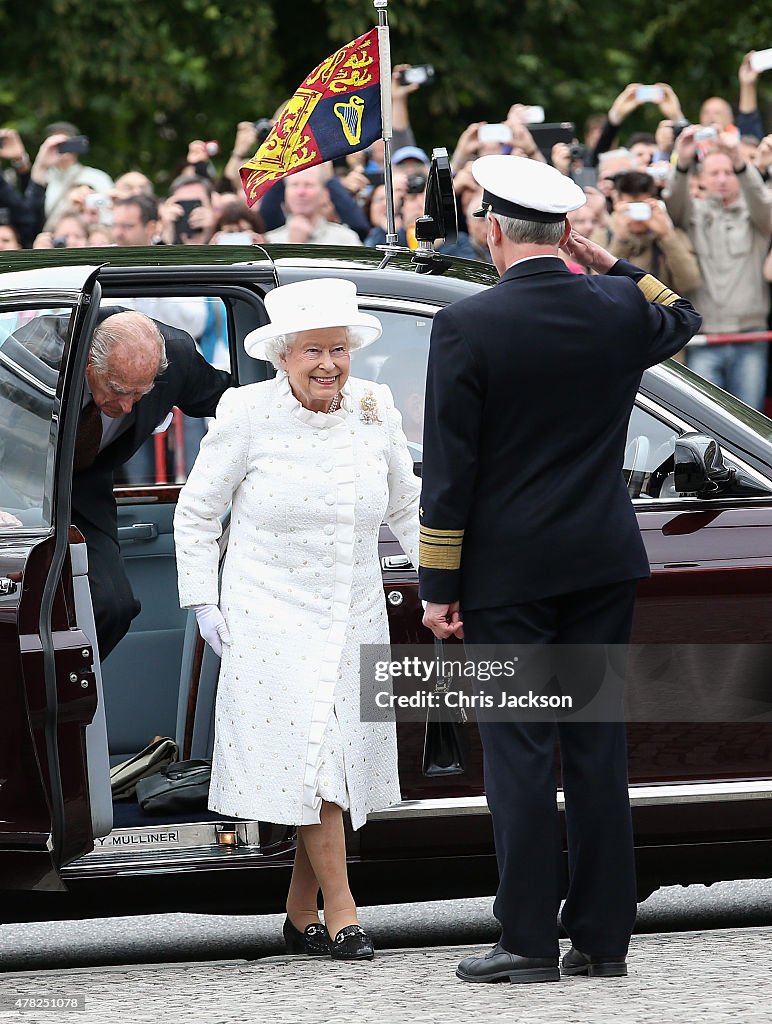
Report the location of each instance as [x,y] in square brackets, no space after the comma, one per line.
[643,233]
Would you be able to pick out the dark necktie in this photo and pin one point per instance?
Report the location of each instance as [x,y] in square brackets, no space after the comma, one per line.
[88,438]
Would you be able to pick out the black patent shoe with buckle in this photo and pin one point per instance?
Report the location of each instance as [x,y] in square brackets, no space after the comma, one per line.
[352,943]
[314,941]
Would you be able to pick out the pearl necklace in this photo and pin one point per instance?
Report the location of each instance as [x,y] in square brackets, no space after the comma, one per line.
[335,403]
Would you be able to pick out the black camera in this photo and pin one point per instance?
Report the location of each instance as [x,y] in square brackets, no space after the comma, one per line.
[59,242]
[577,151]
[263,128]
[77,144]
[679,125]
[416,183]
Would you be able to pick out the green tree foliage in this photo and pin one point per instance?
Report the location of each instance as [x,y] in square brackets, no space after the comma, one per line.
[143,78]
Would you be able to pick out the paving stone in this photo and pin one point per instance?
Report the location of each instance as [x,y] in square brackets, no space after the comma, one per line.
[674,978]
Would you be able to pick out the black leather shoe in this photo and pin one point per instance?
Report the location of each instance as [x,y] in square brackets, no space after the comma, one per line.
[499,965]
[352,943]
[314,941]
[576,962]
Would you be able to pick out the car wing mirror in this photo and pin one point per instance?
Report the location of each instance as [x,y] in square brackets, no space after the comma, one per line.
[699,469]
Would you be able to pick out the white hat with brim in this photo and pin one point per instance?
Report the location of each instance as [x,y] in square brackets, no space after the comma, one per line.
[515,186]
[312,306]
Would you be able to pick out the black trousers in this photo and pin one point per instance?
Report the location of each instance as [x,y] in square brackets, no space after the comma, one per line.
[600,908]
[113,600]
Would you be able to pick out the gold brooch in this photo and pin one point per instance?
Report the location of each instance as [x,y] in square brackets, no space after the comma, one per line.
[368,408]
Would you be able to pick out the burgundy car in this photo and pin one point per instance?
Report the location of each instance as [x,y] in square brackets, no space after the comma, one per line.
[699,469]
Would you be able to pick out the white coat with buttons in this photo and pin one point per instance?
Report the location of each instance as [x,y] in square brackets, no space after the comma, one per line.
[301,590]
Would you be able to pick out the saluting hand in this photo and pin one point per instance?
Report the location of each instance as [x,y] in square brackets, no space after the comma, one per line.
[588,254]
[444,620]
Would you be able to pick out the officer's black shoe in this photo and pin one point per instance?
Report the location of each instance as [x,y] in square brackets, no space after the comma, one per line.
[499,965]
[575,962]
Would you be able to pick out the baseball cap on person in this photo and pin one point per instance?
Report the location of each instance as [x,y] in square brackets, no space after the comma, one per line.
[526,189]
[409,153]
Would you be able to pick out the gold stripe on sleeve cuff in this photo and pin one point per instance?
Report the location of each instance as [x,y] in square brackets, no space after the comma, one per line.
[440,549]
[656,291]
[432,556]
[430,534]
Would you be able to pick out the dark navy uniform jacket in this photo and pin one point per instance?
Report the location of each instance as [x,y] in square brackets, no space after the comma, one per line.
[529,389]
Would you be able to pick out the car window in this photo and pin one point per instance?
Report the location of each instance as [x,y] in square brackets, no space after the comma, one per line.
[399,359]
[31,346]
[648,459]
[169,455]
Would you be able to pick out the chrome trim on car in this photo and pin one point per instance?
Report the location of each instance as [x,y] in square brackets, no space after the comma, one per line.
[401,305]
[26,376]
[148,849]
[640,796]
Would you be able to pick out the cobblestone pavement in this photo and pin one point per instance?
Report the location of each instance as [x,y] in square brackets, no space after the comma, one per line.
[677,977]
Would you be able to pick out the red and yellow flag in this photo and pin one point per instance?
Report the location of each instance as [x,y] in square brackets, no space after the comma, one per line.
[335,111]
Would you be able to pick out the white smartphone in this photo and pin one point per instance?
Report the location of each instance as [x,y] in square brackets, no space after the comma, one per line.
[706,133]
[494,133]
[235,238]
[762,60]
[533,115]
[639,211]
[649,94]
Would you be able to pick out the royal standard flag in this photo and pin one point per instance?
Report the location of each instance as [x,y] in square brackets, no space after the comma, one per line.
[336,111]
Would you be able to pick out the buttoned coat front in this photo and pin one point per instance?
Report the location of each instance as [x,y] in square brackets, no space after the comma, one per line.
[301,590]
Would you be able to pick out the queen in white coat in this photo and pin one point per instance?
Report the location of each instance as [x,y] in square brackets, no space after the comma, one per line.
[310,464]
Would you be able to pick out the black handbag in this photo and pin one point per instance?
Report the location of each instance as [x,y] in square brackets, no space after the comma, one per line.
[179,787]
[445,740]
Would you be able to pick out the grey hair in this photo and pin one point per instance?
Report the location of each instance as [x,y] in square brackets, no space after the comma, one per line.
[279,346]
[127,328]
[530,232]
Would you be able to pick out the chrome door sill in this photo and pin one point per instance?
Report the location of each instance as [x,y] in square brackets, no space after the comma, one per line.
[165,848]
[640,796]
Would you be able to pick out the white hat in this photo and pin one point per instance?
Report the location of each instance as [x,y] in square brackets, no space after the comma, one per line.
[310,306]
[515,186]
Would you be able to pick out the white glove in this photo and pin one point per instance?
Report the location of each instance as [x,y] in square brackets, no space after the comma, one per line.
[212,627]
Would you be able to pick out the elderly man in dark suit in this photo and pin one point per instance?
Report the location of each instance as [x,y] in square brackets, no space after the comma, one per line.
[528,536]
[137,371]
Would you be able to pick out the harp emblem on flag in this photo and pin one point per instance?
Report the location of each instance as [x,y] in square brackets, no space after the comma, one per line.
[350,116]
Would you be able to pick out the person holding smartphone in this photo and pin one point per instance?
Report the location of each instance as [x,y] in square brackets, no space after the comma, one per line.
[59,168]
[729,227]
[187,216]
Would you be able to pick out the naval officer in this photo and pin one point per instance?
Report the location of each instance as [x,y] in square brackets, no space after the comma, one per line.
[528,535]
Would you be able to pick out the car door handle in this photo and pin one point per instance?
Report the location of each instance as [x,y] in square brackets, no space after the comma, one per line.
[137,531]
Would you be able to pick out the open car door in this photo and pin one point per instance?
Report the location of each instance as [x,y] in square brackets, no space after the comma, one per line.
[47,670]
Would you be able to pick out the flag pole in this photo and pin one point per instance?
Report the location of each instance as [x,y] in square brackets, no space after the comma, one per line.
[384,50]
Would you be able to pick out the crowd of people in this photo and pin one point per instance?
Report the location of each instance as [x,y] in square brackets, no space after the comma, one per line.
[690,202]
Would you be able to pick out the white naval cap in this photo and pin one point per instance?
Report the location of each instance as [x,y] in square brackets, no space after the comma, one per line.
[515,186]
